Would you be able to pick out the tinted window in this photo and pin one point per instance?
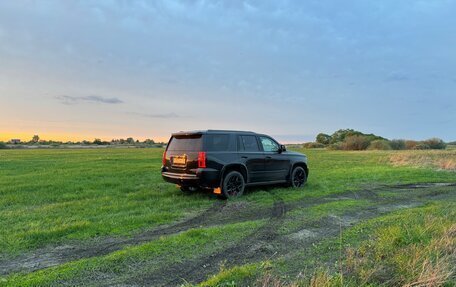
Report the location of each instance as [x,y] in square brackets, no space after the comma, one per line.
[185,143]
[268,144]
[217,142]
[248,143]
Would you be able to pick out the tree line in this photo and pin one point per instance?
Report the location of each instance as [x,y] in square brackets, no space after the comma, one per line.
[37,141]
[349,139]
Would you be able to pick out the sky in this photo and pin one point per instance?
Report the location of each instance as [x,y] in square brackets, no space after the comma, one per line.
[73,70]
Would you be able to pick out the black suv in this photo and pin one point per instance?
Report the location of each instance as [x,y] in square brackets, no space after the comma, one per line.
[227,161]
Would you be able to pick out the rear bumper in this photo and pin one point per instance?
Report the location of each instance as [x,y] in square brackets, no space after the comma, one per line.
[203,177]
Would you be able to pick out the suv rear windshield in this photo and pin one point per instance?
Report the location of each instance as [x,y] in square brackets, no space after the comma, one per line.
[186,143]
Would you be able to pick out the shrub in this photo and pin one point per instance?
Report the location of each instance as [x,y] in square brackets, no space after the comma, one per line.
[422,145]
[313,145]
[410,144]
[435,143]
[397,144]
[335,146]
[379,145]
[355,143]
[3,145]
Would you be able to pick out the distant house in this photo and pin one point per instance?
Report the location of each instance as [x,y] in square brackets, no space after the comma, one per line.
[15,141]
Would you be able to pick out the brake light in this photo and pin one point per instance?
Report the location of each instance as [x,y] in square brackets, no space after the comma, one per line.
[202,159]
[164,158]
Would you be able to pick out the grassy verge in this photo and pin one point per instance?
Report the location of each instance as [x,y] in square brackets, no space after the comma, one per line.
[439,159]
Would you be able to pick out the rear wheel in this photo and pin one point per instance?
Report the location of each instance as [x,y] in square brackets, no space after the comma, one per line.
[298,177]
[233,184]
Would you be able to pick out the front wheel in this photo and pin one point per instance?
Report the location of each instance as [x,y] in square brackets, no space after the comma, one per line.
[298,177]
[233,185]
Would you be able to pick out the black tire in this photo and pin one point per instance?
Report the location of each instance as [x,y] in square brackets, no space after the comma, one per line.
[188,189]
[298,177]
[233,185]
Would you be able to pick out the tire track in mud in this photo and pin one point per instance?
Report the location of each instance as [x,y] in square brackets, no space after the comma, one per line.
[220,213]
[266,241]
[55,255]
[191,271]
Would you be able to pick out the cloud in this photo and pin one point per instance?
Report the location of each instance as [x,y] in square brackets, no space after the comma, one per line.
[70,100]
[156,116]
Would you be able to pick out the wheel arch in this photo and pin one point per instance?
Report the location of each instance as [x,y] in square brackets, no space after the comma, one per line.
[236,167]
[301,164]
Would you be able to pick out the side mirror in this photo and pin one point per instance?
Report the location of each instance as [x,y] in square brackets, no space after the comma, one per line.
[282,148]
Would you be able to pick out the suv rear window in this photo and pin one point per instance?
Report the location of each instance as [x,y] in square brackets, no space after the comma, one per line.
[248,143]
[216,142]
[186,143]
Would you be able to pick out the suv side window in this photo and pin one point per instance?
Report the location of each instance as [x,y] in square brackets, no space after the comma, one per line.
[217,142]
[269,144]
[248,143]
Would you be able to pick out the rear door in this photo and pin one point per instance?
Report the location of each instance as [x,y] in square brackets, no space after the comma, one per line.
[276,164]
[251,155]
[182,153]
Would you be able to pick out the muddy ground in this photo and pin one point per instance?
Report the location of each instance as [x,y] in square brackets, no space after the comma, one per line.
[261,244]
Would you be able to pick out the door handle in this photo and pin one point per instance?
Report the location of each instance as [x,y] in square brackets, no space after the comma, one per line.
[268,157]
[244,156]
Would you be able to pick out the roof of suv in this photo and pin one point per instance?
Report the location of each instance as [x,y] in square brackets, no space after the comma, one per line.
[183,133]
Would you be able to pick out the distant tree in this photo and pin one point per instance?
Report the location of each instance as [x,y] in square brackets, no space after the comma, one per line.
[435,143]
[97,142]
[323,138]
[130,141]
[397,144]
[340,135]
[3,145]
[149,141]
[35,139]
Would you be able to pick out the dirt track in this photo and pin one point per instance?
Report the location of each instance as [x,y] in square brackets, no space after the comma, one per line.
[259,245]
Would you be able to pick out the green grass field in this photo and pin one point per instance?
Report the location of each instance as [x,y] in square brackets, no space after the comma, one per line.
[105,217]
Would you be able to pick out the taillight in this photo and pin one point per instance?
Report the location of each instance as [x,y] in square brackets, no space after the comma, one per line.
[202,159]
[164,158]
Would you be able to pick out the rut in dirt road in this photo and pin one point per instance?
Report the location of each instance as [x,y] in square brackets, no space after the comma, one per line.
[266,242]
[220,213]
[55,255]
[191,271]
